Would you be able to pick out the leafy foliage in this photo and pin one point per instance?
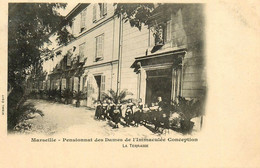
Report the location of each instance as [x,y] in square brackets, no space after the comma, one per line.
[189,108]
[29,26]
[67,94]
[117,97]
[79,95]
[136,13]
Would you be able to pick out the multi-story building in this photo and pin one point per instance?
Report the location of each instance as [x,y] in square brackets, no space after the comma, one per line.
[170,62]
[165,59]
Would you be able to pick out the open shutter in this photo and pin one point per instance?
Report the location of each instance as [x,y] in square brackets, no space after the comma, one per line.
[76,84]
[105,8]
[83,19]
[99,46]
[94,13]
[81,83]
[81,52]
[103,86]
[71,83]
[89,86]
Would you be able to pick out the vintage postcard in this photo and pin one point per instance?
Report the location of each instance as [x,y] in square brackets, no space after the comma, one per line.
[130,84]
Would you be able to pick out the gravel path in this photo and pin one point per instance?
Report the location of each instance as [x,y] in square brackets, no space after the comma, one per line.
[69,120]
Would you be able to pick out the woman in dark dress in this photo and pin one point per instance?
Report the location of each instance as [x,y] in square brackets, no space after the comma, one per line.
[116,116]
[98,110]
[110,109]
[138,113]
[104,110]
[129,112]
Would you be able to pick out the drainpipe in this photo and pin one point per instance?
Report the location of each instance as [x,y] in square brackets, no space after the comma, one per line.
[119,55]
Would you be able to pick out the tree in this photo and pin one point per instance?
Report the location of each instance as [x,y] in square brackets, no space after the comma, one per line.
[29,28]
[136,13]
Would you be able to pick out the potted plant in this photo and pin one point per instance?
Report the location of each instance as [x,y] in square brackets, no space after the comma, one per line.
[45,94]
[41,92]
[67,95]
[49,94]
[117,97]
[79,96]
[188,109]
[57,95]
[53,94]
[37,94]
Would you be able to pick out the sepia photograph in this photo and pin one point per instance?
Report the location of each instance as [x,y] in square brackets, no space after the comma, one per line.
[129,84]
[124,68]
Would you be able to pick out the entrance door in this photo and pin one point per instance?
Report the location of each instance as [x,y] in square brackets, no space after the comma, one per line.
[158,84]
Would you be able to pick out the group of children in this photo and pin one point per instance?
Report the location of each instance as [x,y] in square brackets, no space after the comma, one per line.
[108,110]
[135,113]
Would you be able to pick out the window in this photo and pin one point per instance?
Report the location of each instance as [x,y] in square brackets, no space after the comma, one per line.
[81,53]
[94,13]
[82,20]
[103,9]
[99,47]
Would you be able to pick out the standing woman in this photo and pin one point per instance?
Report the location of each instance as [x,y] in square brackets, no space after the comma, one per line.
[138,113]
[98,110]
[110,108]
[116,116]
[129,112]
[104,109]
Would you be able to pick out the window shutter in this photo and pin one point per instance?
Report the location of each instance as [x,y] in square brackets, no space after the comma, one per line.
[70,84]
[81,52]
[100,9]
[103,81]
[105,9]
[76,84]
[94,13]
[99,46]
[89,87]
[83,20]
[81,84]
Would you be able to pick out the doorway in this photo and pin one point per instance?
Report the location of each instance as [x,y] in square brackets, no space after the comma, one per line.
[158,84]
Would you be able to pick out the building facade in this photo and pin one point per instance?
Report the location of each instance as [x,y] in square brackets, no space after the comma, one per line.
[165,59]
